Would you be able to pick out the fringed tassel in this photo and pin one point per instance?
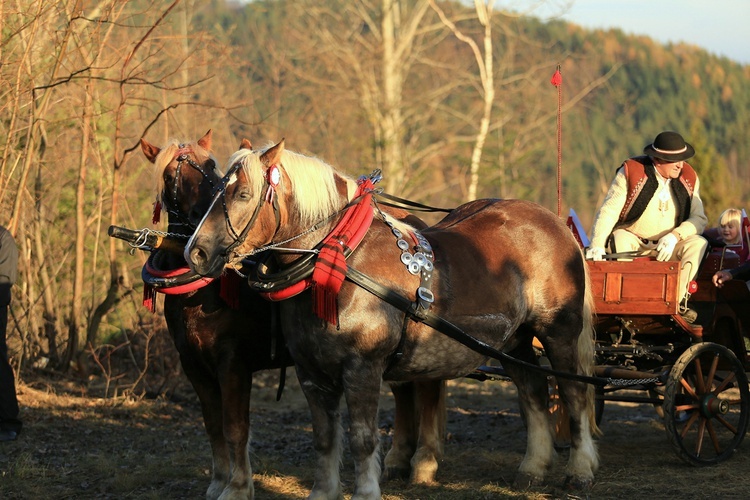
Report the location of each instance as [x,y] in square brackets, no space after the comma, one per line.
[149,297]
[157,212]
[325,303]
[328,276]
[230,289]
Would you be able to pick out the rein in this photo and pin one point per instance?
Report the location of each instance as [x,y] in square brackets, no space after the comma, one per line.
[447,328]
[397,202]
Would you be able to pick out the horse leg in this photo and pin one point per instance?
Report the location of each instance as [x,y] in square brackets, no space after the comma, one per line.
[432,416]
[209,394]
[397,461]
[583,459]
[362,392]
[533,399]
[578,398]
[236,386]
[323,398]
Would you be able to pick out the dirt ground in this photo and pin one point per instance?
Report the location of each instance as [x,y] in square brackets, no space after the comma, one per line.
[76,446]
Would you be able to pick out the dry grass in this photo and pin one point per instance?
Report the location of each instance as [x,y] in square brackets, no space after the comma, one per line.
[82,447]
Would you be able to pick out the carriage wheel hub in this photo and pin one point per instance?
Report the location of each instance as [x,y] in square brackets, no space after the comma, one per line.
[712,406]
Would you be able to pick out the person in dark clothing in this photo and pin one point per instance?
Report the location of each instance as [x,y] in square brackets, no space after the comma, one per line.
[10,424]
[739,273]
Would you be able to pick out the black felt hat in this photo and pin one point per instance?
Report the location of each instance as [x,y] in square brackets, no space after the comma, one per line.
[670,146]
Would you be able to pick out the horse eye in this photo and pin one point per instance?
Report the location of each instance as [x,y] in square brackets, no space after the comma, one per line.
[244,195]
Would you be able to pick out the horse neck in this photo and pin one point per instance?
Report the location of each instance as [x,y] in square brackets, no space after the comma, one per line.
[293,227]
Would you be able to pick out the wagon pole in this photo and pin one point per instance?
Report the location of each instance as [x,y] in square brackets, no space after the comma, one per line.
[557,82]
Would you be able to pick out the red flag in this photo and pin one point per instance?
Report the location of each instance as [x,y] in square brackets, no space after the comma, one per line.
[556,79]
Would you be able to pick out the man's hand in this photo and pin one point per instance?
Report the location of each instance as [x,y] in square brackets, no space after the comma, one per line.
[665,247]
[595,253]
[720,278]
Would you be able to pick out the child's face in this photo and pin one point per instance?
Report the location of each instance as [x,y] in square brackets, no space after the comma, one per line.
[730,233]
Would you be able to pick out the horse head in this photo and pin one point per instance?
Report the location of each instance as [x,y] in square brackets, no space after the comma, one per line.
[267,197]
[185,177]
[244,213]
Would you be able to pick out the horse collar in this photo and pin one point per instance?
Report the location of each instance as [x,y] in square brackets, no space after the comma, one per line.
[343,240]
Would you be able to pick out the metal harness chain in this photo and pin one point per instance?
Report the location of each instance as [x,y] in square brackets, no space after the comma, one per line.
[140,242]
[625,382]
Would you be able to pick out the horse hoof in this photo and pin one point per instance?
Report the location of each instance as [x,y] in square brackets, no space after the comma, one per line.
[578,484]
[392,473]
[524,481]
[215,489]
[423,475]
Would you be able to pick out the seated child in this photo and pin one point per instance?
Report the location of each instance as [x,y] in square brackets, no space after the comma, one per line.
[730,223]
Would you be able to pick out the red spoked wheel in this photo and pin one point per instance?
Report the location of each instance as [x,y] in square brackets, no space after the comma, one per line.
[706,404]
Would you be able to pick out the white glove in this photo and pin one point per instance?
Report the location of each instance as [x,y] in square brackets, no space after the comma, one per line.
[665,247]
[595,253]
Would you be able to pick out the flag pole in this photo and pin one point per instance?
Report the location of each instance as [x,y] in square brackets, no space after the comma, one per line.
[557,82]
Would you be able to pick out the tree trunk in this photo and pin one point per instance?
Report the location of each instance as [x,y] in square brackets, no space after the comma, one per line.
[76,340]
[390,125]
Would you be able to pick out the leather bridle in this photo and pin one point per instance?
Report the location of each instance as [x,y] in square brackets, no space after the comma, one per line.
[240,237]
[182,155]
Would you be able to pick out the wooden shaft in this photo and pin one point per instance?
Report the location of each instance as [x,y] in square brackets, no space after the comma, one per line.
[152,240]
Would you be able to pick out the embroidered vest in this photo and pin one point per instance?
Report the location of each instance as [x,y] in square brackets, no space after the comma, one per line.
[642,185]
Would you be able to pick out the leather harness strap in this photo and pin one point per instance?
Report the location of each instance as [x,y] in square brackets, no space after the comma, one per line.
[447,328]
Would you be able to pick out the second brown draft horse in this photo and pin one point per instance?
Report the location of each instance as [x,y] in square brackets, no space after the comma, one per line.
[220,345]
[503,271]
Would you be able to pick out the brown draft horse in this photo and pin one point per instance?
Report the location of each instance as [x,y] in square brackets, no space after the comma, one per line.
[220,346]
[504,271]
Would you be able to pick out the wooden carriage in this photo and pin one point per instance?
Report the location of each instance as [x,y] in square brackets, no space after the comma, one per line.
[694,374]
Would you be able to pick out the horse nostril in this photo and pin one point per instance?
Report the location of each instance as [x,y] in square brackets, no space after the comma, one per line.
[198,256]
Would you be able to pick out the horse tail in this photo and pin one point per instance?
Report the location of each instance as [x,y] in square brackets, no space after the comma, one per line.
[586,354]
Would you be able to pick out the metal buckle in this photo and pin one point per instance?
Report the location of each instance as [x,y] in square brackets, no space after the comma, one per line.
[425,295]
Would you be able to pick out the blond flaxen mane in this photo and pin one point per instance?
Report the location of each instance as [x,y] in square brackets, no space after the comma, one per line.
[313,182]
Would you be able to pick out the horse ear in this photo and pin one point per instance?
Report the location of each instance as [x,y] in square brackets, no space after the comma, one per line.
[245,144]
[149,150]
[205,141]
[273,155]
